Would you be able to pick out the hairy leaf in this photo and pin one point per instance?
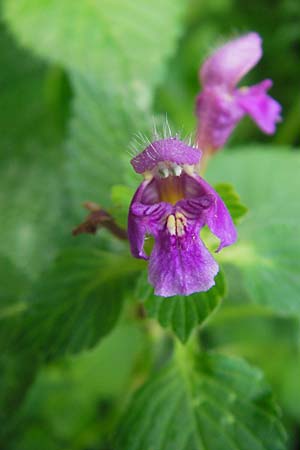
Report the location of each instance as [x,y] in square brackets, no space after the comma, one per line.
[213,403]
[111,36]
[77,399]
[74,304]
[232,331]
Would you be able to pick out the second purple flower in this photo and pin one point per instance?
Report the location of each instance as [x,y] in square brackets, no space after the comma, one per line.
[221,104]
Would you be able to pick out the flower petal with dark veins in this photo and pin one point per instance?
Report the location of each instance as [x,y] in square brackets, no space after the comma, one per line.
[174,210]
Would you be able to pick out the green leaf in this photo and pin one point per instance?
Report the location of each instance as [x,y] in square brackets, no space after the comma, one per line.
[75,303]
[77,399]
[121,197]
[115,51]
[32,192]
[32,101]
[125,39]
[267,255]
[32,220]
[16,375]
[22,76]
[181,314]
[212,403]
[104,122]
[232,331]
[232,201]
[17,371]
[14,285]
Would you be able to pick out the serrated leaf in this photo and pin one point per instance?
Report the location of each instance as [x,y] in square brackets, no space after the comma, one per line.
[213,403]
[75,303]
[104,35]
[267,254]
[232,201]
[233,332]
[181,314]
[77,398]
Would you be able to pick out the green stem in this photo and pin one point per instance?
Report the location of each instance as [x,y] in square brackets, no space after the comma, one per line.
[184,354]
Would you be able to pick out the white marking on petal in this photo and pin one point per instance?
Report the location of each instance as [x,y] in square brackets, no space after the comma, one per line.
[176,224]
[180,224]
[171,225]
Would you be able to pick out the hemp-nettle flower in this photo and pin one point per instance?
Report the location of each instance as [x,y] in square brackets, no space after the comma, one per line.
[221,105]
[173,204]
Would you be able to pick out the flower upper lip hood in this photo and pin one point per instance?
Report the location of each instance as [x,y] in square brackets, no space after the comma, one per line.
[231,62]
[169,149]
[221,104]
[173,205]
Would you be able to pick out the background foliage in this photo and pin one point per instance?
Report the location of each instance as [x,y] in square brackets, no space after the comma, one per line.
[90,358]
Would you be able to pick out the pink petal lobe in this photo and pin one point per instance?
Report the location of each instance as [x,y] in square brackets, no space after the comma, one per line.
[264,110]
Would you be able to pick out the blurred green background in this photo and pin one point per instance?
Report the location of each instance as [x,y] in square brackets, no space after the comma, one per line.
[73,402]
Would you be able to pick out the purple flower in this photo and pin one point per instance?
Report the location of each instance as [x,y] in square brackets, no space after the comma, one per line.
[221,105]
[173,204]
